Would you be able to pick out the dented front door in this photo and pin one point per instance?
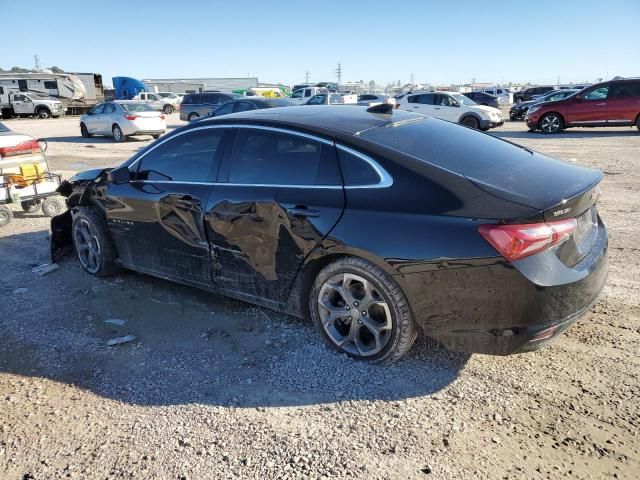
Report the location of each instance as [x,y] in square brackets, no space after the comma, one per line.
[156,219]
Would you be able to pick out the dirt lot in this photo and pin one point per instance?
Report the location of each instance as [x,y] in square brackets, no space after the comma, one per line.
[216,388]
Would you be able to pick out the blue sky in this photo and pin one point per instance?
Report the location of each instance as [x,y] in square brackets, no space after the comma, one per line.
[437,42]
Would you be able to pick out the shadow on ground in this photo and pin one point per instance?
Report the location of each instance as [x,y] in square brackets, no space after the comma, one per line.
[581,134]
[191,346]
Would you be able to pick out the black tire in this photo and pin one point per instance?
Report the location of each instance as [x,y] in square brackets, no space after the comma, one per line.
[193,116]
[167,109]
[403,331]
[43,113]
[638,123]
[156,136]
[551,123]
[30,206]
[6,215]
[100,240]
[118,136]
[471,122]
[52,206]
[84,131]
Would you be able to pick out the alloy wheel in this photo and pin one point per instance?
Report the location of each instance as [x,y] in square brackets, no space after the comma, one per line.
[117,133]
[550,124]
[354,314]
[87,246]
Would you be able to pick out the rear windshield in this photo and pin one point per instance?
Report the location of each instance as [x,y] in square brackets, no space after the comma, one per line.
[137,107]
[460,150]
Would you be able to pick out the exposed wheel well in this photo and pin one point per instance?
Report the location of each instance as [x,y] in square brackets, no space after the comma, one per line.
[637,119]
[302,286]
[39,108]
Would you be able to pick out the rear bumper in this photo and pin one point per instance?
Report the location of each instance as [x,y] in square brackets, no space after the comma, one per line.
[489,306]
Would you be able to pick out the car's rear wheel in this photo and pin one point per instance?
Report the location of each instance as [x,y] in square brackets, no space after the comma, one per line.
[638,123]
[193,116]
[93,244]
[471,122]
[168,109]
[551,123]
[84,131]
[6,215]
[30,206]
[360,310]
[118,136]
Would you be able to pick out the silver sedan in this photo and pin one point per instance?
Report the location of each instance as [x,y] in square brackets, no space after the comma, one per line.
[121,119]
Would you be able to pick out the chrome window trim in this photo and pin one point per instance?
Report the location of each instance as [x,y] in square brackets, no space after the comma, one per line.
[171,182]
[385,179]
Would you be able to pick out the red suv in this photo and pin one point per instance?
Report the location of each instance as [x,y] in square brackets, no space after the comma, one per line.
[614,103]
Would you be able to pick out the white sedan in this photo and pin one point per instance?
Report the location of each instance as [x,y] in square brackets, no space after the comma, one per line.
[121,119]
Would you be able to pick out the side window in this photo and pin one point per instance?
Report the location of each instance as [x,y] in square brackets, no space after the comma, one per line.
[224,109]
[109,108]
[596,94]
[624,90]
[50,85]
[297,94]
[1,90]
[444,100]
[190,157]
[307,92]
[317,100]
[150,96]
[413,99]
[356,171]
[243,107]
[98,109]
[273,158]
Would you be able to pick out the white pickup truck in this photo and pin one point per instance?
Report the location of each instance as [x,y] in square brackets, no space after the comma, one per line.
[302,95]
[165,105]
[29,105]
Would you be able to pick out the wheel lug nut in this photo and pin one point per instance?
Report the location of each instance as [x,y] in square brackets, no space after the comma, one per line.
[347,307]
[356,304]
[359,322]
[364,313]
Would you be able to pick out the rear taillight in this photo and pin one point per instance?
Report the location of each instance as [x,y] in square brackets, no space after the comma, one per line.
[130,117]
[515,242]
[30,146]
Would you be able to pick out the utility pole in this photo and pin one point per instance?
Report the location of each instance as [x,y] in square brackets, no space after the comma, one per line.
[339,74]
[412,79]
[307,75]
[36,62]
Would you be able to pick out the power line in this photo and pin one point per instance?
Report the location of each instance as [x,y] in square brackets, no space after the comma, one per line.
[307,75]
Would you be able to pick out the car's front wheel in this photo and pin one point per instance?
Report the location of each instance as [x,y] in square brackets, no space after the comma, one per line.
[471,122]
[84,131]
[360,310]
[93,244]
[551,123]
[168,109]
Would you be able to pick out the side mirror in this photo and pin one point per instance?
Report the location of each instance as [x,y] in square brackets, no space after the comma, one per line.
[119,175]
[455,104]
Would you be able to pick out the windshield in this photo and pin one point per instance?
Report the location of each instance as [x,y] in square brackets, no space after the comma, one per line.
[137,107]
[462,100]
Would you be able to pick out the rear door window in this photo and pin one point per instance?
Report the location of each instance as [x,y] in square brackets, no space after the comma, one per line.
[275,158]
[243,107]
[109,108]
[190,99]
[624,90]
[190,157]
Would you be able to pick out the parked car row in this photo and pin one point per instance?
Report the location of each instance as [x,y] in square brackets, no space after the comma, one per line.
[519,110]
[614,103]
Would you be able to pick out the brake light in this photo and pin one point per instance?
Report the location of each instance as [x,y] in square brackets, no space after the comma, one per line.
[130,117]
[30,146]
[515,242]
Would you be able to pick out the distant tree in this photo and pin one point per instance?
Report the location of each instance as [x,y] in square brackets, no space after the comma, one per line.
[19,70]
[55,69]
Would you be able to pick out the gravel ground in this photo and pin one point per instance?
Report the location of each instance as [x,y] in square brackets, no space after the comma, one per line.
[216,388]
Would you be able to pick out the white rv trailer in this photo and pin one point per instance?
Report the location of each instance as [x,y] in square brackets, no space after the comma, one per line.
[78,92]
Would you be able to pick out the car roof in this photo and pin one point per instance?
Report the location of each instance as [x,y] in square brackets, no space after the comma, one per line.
[340,118]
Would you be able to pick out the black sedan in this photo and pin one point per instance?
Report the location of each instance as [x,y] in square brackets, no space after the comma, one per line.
[519,110]
[374,223]
[245,104]
[482,98]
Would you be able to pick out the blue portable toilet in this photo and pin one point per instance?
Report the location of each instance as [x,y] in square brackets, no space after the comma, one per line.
[126,87]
